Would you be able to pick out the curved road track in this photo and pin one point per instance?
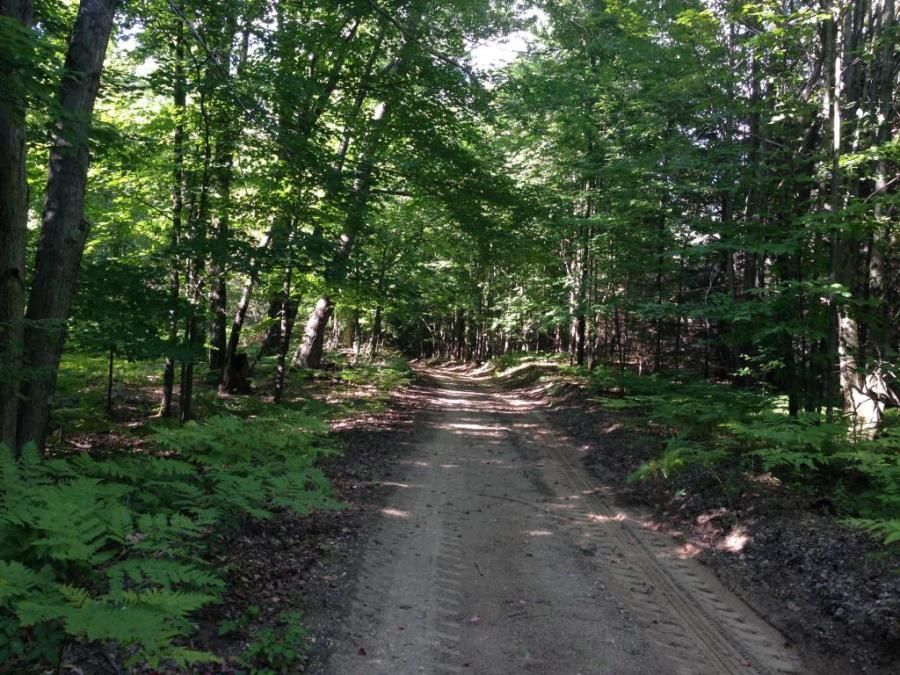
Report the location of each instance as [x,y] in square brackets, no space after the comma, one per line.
[497,553]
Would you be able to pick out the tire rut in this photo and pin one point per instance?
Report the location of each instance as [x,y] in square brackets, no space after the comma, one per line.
[498,554]
[679,603]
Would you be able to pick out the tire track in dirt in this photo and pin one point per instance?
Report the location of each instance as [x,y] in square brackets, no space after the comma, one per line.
[700,625]
[497,554]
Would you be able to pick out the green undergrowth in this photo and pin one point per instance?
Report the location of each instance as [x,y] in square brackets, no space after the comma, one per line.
[524,369]
[729,434]
[120,549]
[350,387]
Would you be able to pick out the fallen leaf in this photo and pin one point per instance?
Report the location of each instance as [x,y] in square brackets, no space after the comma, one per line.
[475,620]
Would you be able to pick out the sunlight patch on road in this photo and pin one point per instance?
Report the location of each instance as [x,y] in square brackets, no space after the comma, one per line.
[467,426]
[600,518]
[395,513]
[539,533]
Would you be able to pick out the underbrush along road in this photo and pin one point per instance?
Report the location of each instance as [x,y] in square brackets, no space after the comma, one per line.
[498,554]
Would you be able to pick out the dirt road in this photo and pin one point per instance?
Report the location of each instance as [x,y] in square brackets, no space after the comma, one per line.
[497,554]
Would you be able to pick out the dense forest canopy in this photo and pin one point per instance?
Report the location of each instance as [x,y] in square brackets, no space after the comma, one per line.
[677,185]
[702,188]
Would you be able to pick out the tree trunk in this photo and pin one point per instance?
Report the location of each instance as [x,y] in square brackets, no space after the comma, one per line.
[376,332]
[13,229]
[196,267]
[63,228]
[218,335]
[237,324]
[284,342]
[109,380]
[180,101]
[309,353]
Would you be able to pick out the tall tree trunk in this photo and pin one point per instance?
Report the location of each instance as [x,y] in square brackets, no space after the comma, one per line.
[237,324]
[218,325]
[13,227]
[64,229]
[864,388]
[180,101]
[885,114]
[196,267]
[376,332]
[284,342]
[229,132]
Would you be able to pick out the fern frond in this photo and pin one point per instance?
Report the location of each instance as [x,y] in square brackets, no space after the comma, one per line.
[168,574]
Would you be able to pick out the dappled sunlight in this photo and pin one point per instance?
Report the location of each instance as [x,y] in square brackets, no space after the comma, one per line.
[686,551]
[518,403]
[561,506]
[600,518]
[735,541]
[471,427]
[395,513]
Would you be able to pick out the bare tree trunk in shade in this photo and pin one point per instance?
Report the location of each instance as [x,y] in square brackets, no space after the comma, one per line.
[376,332]
[196,267]
[285,337]
[63,228]
[180,101]
[237,324]
[13,229]
[309,352]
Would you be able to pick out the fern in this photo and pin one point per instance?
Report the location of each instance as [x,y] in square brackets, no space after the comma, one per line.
[160,573]
[678,455]
[887,530]
[111,549]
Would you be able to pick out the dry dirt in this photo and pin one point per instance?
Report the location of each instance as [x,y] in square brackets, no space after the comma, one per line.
[496,552]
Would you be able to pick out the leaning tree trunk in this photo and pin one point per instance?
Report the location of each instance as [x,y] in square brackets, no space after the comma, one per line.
[309,353]
[13,226]
[63,228]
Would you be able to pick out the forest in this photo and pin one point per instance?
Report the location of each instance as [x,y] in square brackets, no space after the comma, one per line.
[207,208]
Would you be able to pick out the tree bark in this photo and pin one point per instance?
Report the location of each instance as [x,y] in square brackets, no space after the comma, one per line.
[285,337]
[196,267]
[376,332]
[180,102]
[13,227]
[63,228]
[309,353]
